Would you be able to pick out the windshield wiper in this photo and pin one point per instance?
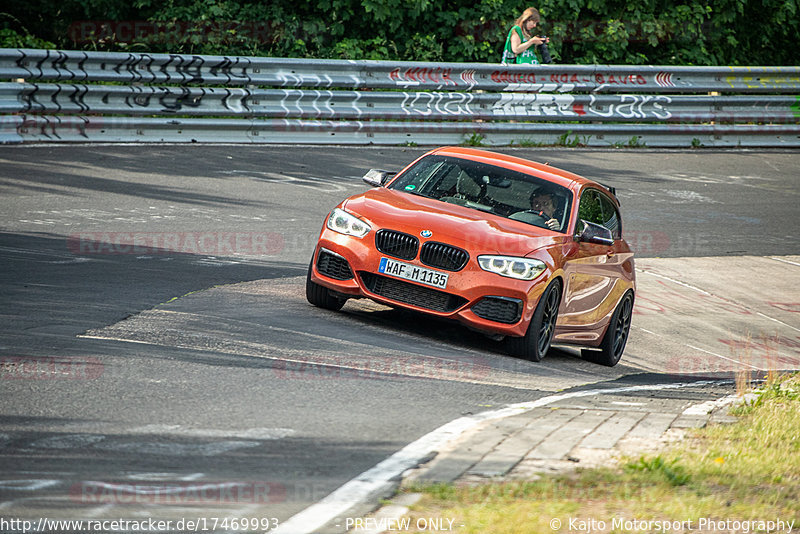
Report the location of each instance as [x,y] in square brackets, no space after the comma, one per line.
[481,207]
[417,193]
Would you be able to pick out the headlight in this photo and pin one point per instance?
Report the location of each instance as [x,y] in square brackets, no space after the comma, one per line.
[344,223]
[521,268]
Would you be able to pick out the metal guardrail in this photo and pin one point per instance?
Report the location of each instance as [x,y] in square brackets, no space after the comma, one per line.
[43,128]
[394,105]
[271,100]
[74,66]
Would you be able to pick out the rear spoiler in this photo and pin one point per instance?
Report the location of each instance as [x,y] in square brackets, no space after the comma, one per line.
[612,190]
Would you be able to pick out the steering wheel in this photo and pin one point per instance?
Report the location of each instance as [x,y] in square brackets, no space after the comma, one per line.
[537,218]
[539,214]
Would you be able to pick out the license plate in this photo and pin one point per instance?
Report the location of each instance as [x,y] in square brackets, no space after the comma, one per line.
[398,269]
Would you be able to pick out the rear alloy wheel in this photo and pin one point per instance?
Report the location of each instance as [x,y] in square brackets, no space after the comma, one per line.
[613,344]
[536,342]
[321,296]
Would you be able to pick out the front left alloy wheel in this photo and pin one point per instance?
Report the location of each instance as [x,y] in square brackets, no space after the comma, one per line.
[536,342]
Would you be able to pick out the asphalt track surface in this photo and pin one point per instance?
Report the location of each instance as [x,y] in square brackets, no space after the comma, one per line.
[178,373]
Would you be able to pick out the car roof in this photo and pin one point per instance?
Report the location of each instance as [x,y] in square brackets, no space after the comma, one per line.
[558,176]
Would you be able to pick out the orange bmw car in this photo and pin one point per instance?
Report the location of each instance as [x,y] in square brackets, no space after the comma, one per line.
[515,249]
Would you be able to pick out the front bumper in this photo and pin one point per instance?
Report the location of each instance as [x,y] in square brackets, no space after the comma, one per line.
[480,300]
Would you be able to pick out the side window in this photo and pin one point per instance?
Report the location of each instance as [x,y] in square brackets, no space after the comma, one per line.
[611,217]
[590,209]
[597,208]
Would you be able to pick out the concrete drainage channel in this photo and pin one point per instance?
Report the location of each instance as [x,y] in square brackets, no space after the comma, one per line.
[582,428]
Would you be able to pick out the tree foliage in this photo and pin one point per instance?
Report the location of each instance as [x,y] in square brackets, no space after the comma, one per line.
[679,32]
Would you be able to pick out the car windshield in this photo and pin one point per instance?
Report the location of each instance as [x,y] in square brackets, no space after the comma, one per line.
[488,188]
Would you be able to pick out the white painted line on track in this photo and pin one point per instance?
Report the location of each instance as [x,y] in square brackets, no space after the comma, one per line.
[179,449]
[252,350]
[704,292]
[165,477]
[777,321]
[191,490]
[367,483]
[28,485]
[70,441]
[684,284]
[782,260]
[408,335]
[249,433]
[726,358]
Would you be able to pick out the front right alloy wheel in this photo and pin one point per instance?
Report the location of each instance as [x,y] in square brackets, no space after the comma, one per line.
[613,344]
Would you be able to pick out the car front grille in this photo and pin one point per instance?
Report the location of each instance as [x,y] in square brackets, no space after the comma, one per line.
[499,309]
[397,244]
[333,266]
[408,293]
[443,256]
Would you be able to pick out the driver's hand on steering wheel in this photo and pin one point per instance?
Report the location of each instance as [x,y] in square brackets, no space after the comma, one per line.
[553,224]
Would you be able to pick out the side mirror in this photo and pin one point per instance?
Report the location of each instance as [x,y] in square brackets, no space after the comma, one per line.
[377,177]
[596,233]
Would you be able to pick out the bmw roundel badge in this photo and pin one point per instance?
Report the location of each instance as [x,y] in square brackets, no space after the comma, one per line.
[426,233]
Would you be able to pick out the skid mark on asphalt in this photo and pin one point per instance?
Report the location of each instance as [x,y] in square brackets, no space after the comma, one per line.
[270,320]
[301,365]
[706,315]
[327,184]
[96,492]
[693,316]
[161,499]
[155,439]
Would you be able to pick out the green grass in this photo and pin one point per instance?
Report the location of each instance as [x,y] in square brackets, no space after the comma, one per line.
[475,140]
[748,471]
[527,143]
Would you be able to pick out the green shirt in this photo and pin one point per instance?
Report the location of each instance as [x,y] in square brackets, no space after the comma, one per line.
[528,56]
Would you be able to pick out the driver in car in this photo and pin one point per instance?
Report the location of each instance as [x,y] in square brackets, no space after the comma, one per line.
[543,204]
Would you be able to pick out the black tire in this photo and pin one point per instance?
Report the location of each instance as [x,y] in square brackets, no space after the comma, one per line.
[616,337]
[536,342]
[321,296]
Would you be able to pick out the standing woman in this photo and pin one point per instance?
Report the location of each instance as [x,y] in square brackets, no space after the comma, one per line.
[520,44]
